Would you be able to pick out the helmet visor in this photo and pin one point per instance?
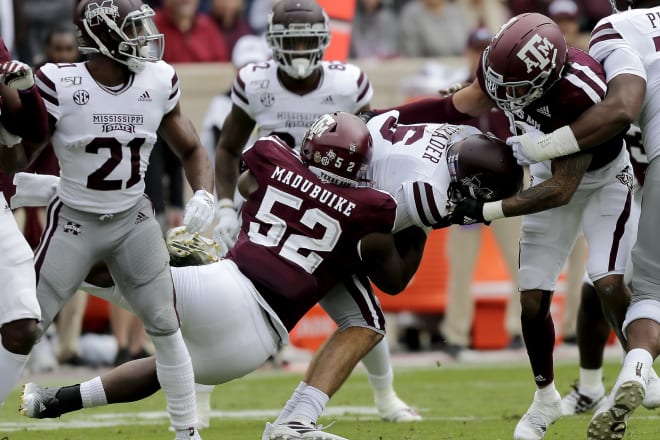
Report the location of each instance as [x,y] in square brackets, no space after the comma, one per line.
[142,40]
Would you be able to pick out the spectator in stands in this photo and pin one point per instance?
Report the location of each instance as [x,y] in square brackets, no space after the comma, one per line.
[190,36]
[257,14]
[228,15]
[491,14]
[34,20]
[375,31]
[567,16]
[517,7]
[433,28]
[592,11]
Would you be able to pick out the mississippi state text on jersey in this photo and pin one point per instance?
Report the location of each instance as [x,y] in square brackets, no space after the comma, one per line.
[104,136]
[299,235]
[260,94]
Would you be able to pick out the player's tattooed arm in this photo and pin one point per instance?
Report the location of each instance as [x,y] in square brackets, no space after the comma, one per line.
[567,172]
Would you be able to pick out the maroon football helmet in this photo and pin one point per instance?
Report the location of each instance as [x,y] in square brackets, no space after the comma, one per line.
[482,167]
[524,59]
[123,30]
[298,36]
[338,148]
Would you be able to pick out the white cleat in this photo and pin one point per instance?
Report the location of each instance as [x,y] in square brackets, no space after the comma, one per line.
[610,420]
[189,434]
[294,430]
[652,396]
[38,402]
[580,401]
[541,414]
[397,411]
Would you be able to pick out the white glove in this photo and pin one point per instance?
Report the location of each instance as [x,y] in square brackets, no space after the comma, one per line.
[16,75]
[520,145]
[226,231]
[199,211]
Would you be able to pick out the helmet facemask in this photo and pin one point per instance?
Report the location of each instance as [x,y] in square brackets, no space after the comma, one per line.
[299,47]
[133,42]
[513,96]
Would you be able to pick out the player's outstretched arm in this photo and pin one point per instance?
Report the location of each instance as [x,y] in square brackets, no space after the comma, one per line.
[235,133]
[389,260]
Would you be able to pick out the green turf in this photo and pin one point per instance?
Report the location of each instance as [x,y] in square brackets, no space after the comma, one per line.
[458,402]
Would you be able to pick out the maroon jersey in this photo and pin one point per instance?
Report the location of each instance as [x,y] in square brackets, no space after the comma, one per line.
[582,84]
[299,236]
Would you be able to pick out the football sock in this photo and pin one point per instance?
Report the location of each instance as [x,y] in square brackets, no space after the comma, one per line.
[11,365]
[636,365]
[291,403]
[92,393]
[547,392]
[379,370]
[176,377]
[69,399]
[591,380]
[539,335]
[310,405]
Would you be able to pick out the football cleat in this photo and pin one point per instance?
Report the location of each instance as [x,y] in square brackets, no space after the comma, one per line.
[397,411]
[610,420]
[578,401]
[652,396]
[534,423]
[188,434]
[191,248]
[294,430]
[38,402]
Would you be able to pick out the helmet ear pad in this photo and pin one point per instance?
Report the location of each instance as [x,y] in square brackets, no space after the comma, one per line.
[338,148]
[483,167]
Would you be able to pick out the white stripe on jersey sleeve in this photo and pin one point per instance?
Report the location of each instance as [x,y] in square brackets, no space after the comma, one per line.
[586,88]
[591,74]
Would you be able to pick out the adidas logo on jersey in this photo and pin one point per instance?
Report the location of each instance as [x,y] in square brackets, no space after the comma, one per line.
[328,100]
[544,111]
[145,97]
[140,217]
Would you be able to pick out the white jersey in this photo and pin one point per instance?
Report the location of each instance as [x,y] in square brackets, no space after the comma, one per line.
[409,162]
[634,33]
[103,136]
[260,94]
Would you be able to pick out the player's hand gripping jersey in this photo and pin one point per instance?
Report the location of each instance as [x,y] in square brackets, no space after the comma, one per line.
[300,234]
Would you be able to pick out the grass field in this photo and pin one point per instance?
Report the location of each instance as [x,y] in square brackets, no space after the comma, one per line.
[458,401]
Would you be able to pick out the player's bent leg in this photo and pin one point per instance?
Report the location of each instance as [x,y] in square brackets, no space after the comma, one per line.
[615,297]
[539,335]
[381,377]
[592,334]
[132,381]
[353,304]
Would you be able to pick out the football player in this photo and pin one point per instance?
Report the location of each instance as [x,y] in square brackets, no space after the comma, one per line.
[529,72]
[441,161]
[22,115]
[104,116]
[305,219]
[284,96]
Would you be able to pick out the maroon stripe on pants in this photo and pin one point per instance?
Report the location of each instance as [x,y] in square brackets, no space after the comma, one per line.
[619,230]
[363,303]
[51,226]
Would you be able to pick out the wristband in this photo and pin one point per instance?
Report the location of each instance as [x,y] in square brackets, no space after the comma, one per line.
[560,142]
[225,203]
[492,211]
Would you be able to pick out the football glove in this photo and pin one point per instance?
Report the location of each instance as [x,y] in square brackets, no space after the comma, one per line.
[520,144]
[226,230]
[16,75]
[191,249]
[467,212]
[199,211]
